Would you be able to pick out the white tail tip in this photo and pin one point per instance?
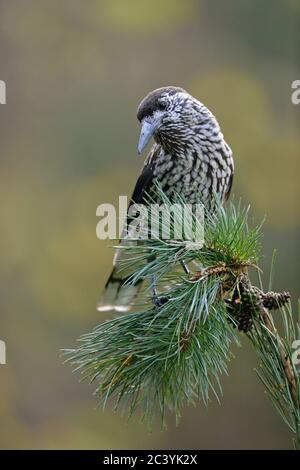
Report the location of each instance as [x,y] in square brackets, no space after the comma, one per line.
[117,308]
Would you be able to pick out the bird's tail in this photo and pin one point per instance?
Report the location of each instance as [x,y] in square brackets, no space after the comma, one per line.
[117,295]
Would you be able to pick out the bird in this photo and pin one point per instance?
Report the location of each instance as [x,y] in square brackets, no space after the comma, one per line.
[189,156]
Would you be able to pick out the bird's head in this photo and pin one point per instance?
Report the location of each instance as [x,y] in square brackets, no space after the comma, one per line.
[170,115]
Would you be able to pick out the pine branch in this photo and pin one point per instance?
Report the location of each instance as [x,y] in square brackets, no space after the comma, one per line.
[277,371]
[174,352]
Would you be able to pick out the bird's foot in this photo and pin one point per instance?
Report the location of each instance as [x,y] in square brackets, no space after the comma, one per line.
[185,268]
[160,301]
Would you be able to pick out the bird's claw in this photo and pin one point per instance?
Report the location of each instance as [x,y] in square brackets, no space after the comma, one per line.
[160,301]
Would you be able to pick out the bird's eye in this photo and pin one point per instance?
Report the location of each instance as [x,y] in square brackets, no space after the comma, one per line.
[162,105]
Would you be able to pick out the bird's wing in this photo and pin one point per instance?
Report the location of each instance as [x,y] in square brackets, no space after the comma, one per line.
[141,189]
[116,295]
[229,187]
[145,180]
[143,185]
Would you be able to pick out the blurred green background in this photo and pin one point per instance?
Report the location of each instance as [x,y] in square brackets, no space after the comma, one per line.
[75,72]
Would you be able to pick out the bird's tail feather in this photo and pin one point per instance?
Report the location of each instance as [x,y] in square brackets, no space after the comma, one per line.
[117,296]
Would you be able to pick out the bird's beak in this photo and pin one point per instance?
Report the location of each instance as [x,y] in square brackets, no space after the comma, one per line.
[147,131]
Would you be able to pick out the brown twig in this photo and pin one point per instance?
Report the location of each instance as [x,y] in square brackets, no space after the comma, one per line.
[222,268]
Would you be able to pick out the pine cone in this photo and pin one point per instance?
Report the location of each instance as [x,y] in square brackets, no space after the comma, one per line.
[244,305]
[245,322]
[274,300]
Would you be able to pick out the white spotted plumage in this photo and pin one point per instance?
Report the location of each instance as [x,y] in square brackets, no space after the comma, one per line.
[189,157]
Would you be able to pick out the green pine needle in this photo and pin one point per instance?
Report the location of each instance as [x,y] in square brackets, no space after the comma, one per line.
[162,358]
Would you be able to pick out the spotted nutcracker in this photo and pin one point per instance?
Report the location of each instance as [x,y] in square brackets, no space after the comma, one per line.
[189,156]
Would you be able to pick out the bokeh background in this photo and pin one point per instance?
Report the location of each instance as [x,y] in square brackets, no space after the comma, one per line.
[75,72]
